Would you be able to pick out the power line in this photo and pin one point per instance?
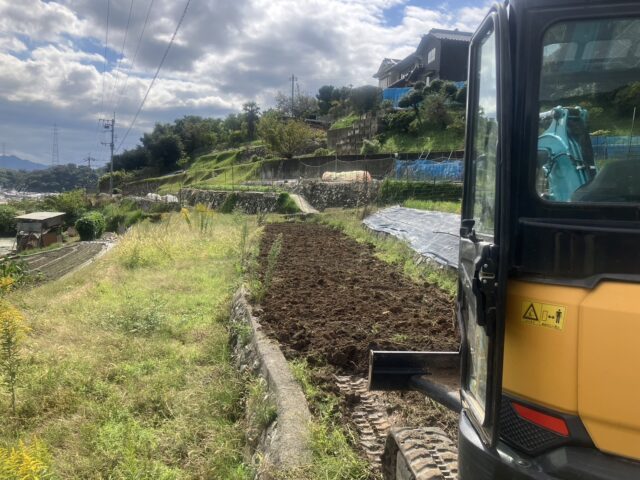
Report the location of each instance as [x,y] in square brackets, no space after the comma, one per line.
[124,43]
[135,56]
[104,72]
[153,80]
[106,61]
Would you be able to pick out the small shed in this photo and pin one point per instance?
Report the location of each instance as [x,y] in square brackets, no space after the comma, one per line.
[38,230]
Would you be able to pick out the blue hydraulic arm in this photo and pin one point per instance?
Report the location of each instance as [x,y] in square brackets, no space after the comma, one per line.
[565,155]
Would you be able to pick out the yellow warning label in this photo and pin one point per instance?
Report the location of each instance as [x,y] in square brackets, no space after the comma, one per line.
[543,314]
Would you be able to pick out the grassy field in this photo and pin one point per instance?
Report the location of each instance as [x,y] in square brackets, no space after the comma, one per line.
[444,141]
[125,373]
[433,205]
[390,249]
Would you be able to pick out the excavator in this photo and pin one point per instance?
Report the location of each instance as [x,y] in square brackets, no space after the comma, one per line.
[546,381]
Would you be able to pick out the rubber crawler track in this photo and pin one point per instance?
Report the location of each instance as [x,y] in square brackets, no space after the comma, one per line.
[419,454]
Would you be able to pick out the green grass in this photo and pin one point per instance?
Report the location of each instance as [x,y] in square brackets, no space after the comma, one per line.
[126,371]
[345,122]
[331,440]
[390,250]
[444,141]
[449,207]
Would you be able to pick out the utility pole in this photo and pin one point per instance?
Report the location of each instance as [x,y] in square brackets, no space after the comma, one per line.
[110,125]
[89,159]
[55,154]
[293,82]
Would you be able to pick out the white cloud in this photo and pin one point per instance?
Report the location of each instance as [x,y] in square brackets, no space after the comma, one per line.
[227,52]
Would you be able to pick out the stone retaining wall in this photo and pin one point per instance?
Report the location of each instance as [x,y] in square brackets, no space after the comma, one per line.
[284,444]
[322,195]
[248,202]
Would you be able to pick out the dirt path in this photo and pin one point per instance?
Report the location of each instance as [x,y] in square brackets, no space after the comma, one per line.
[332,301]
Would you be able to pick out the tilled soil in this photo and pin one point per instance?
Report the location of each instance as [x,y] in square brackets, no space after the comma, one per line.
[332,301]
[53,264]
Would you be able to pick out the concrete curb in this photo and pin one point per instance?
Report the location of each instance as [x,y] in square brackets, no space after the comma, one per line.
[286,443]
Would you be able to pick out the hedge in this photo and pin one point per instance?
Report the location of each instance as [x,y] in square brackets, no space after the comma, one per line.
[395,191]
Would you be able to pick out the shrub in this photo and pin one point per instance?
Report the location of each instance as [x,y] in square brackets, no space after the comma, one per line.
[370,147]
[322,152]
[25,462]
[7,220]
[285,204]
[90,226]
[394,191]
[399,121]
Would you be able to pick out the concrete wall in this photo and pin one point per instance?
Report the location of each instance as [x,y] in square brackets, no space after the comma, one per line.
[347,141]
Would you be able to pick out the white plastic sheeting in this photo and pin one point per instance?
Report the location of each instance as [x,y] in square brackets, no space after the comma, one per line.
[435,235]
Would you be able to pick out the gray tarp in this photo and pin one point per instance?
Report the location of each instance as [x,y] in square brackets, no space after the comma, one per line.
[432,234]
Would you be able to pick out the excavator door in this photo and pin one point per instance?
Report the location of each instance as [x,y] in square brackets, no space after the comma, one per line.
[483,233]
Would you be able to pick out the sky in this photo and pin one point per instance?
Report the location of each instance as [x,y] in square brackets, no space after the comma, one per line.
[59,64]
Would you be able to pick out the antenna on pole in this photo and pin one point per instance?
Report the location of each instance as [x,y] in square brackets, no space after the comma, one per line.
[55,154]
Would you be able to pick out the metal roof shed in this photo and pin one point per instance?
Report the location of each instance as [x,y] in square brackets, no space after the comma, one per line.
[38,229]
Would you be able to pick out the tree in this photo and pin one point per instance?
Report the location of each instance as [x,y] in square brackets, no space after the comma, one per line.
[133,159]
[365,99]
[325,97]
[165,148]
[304,106]
[436,112]
[413,99]
[284,137]
[252,115]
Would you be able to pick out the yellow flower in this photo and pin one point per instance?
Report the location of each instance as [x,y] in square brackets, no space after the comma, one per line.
[25,462]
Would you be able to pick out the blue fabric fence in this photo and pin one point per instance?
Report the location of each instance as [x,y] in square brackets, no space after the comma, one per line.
[394,94]
[428,170]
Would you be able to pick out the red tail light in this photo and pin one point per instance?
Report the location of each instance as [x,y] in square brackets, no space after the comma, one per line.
[548,422]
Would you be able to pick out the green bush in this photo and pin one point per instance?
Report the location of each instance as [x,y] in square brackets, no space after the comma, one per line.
[370,147]
[90,226]
[285,204]
[395,191]
[7,220]
[399,121]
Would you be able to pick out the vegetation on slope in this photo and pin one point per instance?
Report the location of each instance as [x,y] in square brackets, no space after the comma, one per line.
[126,371]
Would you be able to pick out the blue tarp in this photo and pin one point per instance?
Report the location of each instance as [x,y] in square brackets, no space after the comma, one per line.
[448,171]
[394,94]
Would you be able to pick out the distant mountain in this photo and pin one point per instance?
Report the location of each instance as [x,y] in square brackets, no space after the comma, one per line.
[12,162]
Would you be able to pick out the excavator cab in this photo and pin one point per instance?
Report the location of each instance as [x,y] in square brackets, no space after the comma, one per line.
[549,272]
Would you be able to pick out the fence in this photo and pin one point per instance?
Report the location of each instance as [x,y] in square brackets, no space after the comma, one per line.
[615,148]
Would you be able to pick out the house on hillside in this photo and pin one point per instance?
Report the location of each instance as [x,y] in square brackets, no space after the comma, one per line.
[441,54]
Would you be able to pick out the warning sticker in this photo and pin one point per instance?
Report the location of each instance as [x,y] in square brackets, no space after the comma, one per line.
[543,314]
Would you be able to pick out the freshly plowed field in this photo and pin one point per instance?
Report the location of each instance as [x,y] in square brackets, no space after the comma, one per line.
[54,264]
[332,300]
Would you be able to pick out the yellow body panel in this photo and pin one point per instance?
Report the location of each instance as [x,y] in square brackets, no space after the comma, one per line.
[589,366]
[609,367]
[540,363]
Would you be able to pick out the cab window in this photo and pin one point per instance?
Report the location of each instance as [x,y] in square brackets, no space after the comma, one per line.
[588,150]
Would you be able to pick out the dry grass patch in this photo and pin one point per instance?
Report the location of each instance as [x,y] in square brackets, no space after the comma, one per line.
[126,371]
